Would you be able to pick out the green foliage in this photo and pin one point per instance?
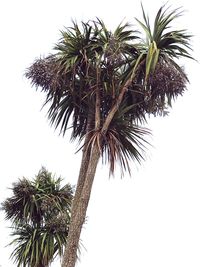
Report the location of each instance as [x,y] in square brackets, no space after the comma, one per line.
[40,215]
[162,41]
[92,65]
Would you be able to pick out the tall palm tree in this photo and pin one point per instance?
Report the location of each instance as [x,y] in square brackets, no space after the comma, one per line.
[105,84]
[40,214]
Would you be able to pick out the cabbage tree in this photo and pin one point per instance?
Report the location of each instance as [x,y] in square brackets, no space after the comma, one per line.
[103,85]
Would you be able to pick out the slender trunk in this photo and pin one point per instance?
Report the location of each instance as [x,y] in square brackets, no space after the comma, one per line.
[81,178]
[70,255]
[83,168]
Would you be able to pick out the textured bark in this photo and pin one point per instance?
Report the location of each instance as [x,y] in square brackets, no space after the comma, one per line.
[81,178]
[70,255]
[83,167]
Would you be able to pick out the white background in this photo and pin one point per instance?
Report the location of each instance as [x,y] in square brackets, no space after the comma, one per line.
[150,219]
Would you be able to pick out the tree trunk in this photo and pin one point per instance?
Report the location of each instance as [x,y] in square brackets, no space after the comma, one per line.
[81,181]
[81,178]
[70,255]
[83,168]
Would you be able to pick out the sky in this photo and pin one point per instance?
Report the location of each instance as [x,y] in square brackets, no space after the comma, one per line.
[149,219]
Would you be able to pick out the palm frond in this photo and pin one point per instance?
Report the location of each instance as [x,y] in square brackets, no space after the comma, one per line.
[35,246]
[21,206]
[162,41]
[146,26]
[163,20]
[123,143]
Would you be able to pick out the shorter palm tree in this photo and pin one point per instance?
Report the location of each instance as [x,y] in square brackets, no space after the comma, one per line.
[40,214]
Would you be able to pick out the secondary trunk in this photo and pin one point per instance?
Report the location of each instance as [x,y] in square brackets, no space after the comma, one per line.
[78,219]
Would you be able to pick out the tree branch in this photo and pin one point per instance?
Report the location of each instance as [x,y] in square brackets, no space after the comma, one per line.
[115,107]
[97,104]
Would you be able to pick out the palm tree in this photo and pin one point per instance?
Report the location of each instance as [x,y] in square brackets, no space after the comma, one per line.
[105,84]
[40,214]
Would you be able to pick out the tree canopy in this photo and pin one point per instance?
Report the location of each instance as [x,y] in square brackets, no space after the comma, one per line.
[92,64]
[40,213]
